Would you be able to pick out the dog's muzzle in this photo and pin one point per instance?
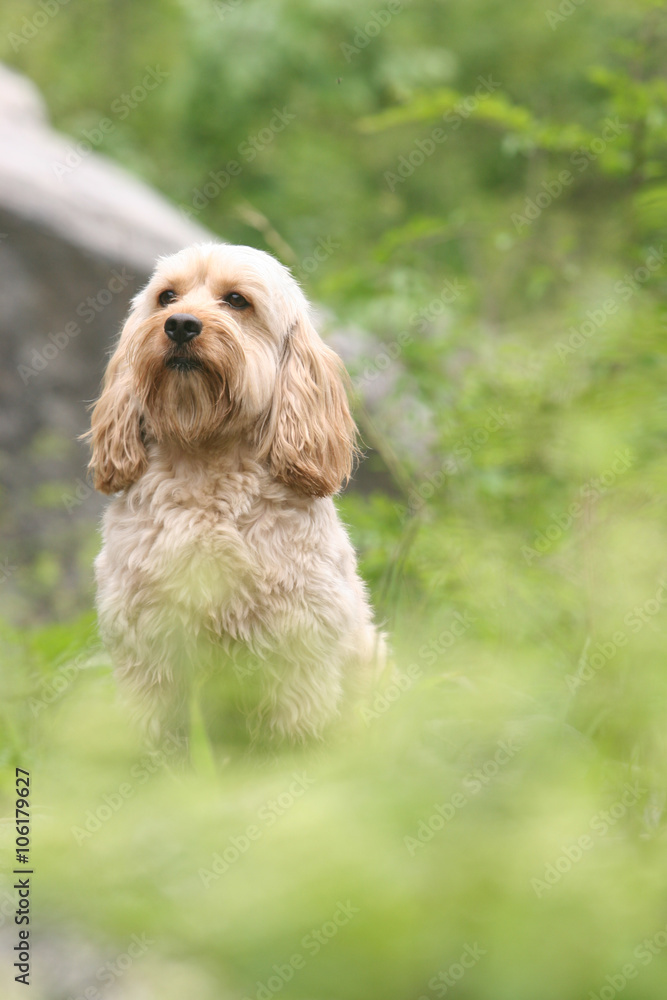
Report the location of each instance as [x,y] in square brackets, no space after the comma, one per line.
[183,363]
[182,327]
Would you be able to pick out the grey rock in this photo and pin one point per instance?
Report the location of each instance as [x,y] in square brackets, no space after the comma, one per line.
[78,237]
[74,247]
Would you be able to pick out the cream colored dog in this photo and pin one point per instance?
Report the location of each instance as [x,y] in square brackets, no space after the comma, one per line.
[223,428]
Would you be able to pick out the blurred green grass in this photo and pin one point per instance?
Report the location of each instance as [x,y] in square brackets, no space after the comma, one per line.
[519,562]
[124,844]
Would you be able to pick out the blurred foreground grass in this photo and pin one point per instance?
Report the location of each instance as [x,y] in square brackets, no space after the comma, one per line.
[493,825]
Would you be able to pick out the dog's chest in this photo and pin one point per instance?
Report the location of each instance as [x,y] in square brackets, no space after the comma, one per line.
[216,557]
[200,558]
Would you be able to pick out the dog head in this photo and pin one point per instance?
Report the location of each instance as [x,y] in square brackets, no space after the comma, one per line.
[219,348]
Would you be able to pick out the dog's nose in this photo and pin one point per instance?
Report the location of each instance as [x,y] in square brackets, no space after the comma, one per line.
[182,327]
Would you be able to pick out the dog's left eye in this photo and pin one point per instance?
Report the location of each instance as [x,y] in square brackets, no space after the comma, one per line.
[236,300]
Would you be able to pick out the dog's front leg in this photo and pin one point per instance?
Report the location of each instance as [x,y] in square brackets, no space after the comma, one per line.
[154,671]
[160,706]
[301,696]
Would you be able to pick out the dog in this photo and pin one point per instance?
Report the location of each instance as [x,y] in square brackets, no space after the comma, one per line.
[223,429]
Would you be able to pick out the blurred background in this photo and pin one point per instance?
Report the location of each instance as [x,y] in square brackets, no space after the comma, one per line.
[474,196]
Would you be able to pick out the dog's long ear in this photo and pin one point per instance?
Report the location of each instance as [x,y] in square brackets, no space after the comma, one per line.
[311,433]
[119,456]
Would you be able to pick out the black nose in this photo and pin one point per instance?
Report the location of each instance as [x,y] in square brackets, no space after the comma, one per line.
[181,327]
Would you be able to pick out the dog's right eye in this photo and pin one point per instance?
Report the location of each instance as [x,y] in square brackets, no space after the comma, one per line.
[166,297]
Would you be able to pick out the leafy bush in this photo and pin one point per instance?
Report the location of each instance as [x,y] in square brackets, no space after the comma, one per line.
[493,825]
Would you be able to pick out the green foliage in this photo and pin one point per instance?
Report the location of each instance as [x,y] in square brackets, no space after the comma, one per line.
[515,550]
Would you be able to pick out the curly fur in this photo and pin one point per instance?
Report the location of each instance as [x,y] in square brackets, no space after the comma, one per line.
[222,551]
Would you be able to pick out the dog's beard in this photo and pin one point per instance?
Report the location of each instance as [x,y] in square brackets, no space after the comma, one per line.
[189,394]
